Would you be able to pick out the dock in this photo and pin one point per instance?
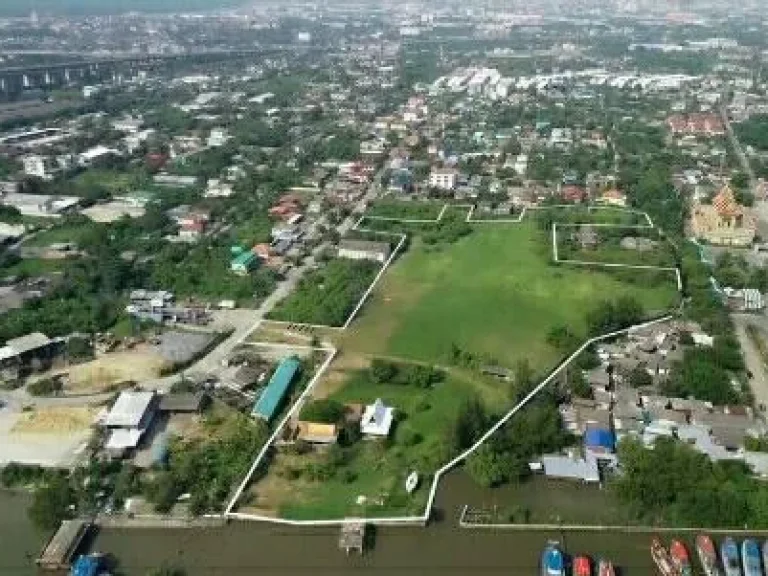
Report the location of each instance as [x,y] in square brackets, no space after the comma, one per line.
[60,549]
[352,537]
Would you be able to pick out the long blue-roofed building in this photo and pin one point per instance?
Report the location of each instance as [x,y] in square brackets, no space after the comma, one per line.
[273,395]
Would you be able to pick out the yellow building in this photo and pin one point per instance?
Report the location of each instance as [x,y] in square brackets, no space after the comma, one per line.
[724,222]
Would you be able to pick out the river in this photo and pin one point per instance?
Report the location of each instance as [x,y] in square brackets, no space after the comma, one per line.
[241,549]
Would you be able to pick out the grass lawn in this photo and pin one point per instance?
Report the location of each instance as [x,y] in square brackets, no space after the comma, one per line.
[493,292]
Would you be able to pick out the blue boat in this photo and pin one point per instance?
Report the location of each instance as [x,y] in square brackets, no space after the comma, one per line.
[750,558]
[552,560]
[729,552]
[86,566]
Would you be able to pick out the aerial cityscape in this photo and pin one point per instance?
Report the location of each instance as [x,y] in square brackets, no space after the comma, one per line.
[396,288]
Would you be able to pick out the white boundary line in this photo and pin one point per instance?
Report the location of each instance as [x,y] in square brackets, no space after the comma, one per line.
[470,211]
[424,517]
[296,406]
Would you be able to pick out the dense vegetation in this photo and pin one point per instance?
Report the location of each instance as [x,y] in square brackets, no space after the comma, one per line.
[533,431]
[753,132]
[207,468]
[328,295]
[675,485]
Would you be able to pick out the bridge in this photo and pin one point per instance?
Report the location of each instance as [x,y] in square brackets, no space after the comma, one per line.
[15,79]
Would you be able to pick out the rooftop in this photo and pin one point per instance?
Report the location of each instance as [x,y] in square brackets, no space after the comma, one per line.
[129,409]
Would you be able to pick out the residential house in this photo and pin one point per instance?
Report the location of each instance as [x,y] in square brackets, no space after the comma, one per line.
[443,178]
[377,419]
[317,433]
[244,262]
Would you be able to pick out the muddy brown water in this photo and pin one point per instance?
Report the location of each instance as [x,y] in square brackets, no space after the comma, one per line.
[241,549]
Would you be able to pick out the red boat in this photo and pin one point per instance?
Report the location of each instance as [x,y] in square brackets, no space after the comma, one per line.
[662,559]
[605,568]
[582,566]
[680,558]
[708,555]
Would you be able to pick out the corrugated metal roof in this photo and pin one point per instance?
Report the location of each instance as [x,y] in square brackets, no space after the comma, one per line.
[278,386]
[129,409]
[556,466]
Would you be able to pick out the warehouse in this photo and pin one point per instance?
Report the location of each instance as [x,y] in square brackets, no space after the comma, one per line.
[273,395]
[128,420]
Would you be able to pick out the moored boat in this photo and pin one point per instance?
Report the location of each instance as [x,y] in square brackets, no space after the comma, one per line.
[605,568]
[729,552]
[707,555]
[680,558]
[86,565]
[765,554]
[552,560]
[662,559]
[582,566]
[750,558]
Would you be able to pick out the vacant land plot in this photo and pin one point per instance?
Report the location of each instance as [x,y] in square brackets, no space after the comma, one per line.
[47,436]
[494,293]
[55,420]
[328,295]
[105,372]
[60,233]
[592,214]
[405,209]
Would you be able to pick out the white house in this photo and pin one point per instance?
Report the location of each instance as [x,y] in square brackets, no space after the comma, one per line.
[217,137]
[443,178]
[34,165]
[377,419]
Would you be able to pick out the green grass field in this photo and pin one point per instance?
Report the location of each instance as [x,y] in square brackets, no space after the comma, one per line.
[494,292]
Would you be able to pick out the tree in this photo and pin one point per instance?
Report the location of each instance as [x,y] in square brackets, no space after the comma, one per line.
[51,503]
[523,381]
[562,338]
[579,385]
[326,411]
[639,377]
[383,371]
[487,467]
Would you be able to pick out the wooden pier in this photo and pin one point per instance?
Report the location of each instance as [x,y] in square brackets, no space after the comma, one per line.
[58,552]
[352,537]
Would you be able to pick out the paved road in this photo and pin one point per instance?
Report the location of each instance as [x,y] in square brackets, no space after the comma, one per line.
[752,358]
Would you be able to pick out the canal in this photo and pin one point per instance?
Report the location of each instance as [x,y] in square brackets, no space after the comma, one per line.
[241,549]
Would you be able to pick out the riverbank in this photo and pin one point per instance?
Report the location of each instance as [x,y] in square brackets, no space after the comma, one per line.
[240,549]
